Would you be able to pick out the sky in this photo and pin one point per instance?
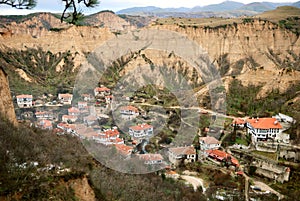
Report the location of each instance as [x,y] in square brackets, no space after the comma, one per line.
[116,5]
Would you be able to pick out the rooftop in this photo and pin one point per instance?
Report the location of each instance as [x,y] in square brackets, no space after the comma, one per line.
[209,140]
[264,123]
[183,150]
[141,127]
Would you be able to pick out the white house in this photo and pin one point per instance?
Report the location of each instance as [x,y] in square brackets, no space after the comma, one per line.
[65,99]
[262,129]
[238,122]
[24,101]
[82,105]
[109,137]
[141,131]
[208,143]
[45,124]
[182,154]
[44,115]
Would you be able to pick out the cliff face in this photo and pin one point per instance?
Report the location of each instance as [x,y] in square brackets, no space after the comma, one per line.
[6,104]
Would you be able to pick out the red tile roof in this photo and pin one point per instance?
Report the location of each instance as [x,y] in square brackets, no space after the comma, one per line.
[73,110]
[65,95]
[210,140]
[141,127]
[100,89]
[238,121]
[24,96]
[264,123]
[130,108]
[220,155]
[123,149]
[111,133]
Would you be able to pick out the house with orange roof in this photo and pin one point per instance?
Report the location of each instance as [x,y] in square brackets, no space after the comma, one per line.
[239,123]
[151,159]
[69,128]
[124,150]
[129,112]
[65,99]
[179,155]
[209,142]
[71,118]
[101,91]
[141,131]
[262,129]
[45,124]
[109,137]
[73,111]
[24,101]
[222,156]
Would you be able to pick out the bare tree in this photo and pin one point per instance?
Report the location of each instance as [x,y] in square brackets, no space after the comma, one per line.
[71,12]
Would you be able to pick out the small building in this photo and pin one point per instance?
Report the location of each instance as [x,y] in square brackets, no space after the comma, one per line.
[45,124]
[69,118]
[24,101]
[141,131]
[222,156]
[69,128]
[262,129]
[44,115]
[73,111]
[207,143]
[101,91]
[124,150]
[238,123]
[86,97]
[109,137]
[65,99]
[179,155]
[129,112]
[82,105]
[284,118]
[90,120]
[151,159]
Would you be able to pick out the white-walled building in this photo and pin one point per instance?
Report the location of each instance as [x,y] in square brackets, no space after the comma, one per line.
[24,100]
[262,129]
[208,143]
[141,131]
[65,99]
[182,154]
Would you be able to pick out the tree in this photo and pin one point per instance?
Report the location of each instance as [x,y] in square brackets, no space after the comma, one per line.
[71,12]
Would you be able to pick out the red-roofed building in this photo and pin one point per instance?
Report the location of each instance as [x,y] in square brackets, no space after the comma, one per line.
[124,149]
[141,131]
[238,122]
[262,129]
[109,137]
[44,115]
[69,128]
[151,159]
[73,111]
[182,154]
[129,110]
[24,101]
[71,118]
[222,156]
[82,105]
[65,99]
[102,91]
[45,124]
[207,143]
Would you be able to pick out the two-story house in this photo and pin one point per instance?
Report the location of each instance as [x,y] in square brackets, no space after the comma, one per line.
[73,111]
[208,143]
[129,112]
[151,159]
[24,100]
[65,99]
[179,155]
[101,91]
[262,129]
[141,131]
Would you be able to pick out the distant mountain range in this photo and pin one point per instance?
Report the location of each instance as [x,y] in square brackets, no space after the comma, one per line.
[226,8]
